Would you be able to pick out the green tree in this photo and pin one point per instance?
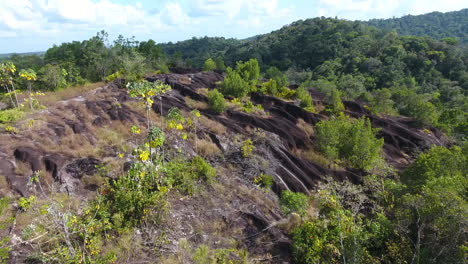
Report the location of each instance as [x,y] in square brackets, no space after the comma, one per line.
[133,66]
[7,71]
[305,99]
[351,140]
[216,101]
[382,102]
[275,74]
[333,99]
[53,76]
[220,63]
[293,202]
[209,65]
[249,71]
[234,85]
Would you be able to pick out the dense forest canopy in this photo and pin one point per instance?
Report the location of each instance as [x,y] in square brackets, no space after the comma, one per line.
[436,25]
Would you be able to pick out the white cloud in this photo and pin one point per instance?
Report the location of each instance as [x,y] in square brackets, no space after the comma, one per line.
[51,17]
[248,13]
[366,9]
[173,15]
[226,8]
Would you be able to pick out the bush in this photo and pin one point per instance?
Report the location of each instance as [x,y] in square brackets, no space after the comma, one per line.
[335,105]
[216,101]
[209,65]
[249,71]
[352,140]
[184,175]
[247,148]
[271,87]
[305,99]
[202,169]
[10,115]
[265,180]
[234,85]
[275,74]
[293,202]
[438,162]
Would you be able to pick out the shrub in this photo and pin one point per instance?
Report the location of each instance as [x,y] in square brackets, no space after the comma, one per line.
[184,175]
[202,169]
[293,202]
[10,115]
[305,99]
[247,148]
[271,87]
[209,65]
[136,196]
[335,105]
[216,101]
[352,140]
[249,71]
[275,74]
[234,85]
[265,180]
[438,162]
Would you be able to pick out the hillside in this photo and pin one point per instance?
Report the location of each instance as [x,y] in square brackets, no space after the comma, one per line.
[76,144]
[435,25]
[326,141]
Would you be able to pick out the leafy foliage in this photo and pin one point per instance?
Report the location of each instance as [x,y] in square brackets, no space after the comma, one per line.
[294,202]
[234,85]
[351,140]
[435,25]
[209,65]
[216,101]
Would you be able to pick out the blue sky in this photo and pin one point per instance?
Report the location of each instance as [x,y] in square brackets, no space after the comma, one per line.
[35,25]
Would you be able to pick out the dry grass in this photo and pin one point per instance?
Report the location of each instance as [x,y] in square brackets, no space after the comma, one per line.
[203,91]
[207,148]
[195,104]
[4,186]
[213,126]
[306,127]
[314,157]
[68,93]
[139,108]
[23,168]
[76,145]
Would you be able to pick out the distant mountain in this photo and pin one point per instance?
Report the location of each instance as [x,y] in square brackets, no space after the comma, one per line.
[436,25]
[7,55]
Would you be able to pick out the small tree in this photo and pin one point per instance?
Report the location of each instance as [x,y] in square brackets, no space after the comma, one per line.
[7,70]
[249,71]
[146,90]
[132,67]
[220,64]
[29,75]
[335,105]
[216,101]
[209,65]
[53,76]
[351,140]
[275,74]
[305,99]
[234,85]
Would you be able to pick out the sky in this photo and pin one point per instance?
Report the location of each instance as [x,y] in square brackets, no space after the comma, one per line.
[36,25]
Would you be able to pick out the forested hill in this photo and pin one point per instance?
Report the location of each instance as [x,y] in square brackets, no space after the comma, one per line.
[196,50]
[424,78]
[436,25]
